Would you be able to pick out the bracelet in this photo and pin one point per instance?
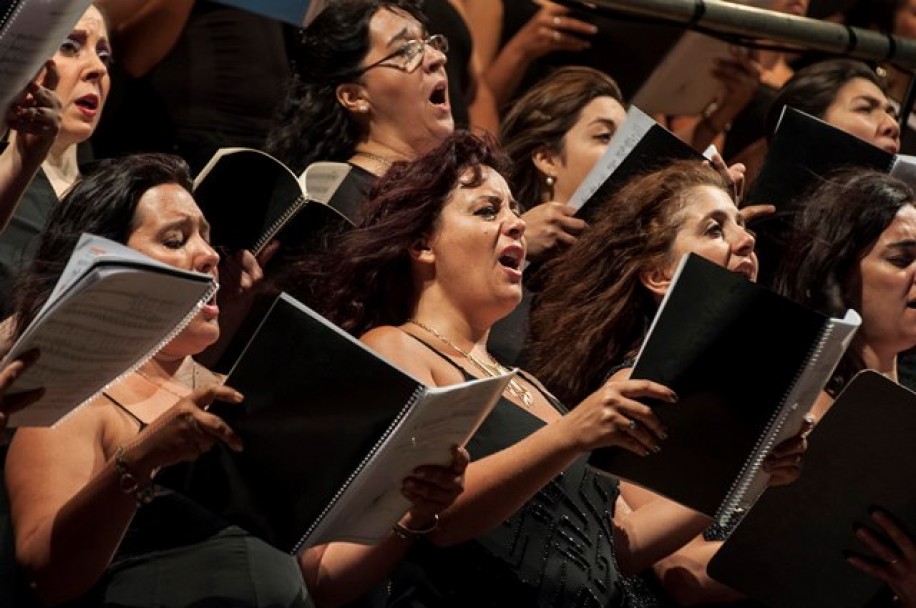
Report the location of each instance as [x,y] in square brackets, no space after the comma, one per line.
[402,531]
[129,483]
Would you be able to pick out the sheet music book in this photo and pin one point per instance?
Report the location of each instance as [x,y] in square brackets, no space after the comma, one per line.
[30,33]
[250,198]
[639,146]
[111,310]
[682,84]
[788,550]
[804,149]
[747,365]
[330,430]
[295,12]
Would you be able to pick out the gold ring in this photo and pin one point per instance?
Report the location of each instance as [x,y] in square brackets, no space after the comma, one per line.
[556,22]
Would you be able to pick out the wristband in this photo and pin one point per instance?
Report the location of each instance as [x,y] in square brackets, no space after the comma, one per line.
[129,483]
[402,531]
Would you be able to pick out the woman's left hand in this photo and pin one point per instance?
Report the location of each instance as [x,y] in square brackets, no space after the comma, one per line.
[785,461]
[894,560]
[433,488]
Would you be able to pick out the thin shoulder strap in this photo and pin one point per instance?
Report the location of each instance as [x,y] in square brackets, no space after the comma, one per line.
[438,352]
[531,379]
[125,410]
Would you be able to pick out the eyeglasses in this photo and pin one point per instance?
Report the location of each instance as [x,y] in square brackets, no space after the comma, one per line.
[410,55]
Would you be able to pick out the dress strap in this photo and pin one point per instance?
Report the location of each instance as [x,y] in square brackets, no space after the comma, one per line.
[531,379]
[125,410]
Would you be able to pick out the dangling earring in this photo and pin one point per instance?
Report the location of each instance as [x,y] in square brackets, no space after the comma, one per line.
[547,195]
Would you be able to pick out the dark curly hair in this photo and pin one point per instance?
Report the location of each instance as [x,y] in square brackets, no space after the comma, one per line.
[365,281]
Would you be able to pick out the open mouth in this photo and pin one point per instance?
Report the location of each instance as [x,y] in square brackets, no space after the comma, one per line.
[88,102]
[511,258]
[439,96]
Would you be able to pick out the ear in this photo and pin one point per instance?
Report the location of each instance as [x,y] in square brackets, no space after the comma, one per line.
[352,97]
[656,281]
[546,161]
[420,251]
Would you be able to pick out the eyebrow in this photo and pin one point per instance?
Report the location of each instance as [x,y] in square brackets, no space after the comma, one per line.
[403,35]
[903,244]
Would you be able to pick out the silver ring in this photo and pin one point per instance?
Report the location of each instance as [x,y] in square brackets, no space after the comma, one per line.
[633,425]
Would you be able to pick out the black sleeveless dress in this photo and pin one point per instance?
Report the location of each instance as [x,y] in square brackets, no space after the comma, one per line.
[177,554]
[557,550]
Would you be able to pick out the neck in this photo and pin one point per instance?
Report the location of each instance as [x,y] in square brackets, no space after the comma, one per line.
[169,369]
[61,168]
[883,363]
[457,331]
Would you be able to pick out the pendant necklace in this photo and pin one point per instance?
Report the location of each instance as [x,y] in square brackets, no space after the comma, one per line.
[514,387]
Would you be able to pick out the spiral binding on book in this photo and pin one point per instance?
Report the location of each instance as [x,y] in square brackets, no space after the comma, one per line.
[788,404]
[417,393]
[171,335]
[281,221]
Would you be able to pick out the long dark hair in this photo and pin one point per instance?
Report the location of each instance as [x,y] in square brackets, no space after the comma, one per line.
[102,203]
[593,312]
[839,222]
[310,124]
[366,281]
[813,88]
[542,117]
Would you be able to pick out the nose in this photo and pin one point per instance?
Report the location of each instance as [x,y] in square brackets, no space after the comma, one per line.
[743,242]
[96,67]
[433,58]
[514,226]
[206,259]
[889,127]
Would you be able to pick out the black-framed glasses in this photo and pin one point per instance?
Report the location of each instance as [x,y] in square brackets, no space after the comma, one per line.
[409,55]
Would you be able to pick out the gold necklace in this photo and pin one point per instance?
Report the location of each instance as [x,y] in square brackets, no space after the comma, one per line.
[371,156]
[162,385]
[514,387]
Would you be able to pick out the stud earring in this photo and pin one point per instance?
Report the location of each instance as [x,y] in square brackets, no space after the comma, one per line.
[363,108]
[550,181]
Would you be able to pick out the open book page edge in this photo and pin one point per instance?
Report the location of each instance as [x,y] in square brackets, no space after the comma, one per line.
[48,416]
[753,480]
[636,124]
[353,516]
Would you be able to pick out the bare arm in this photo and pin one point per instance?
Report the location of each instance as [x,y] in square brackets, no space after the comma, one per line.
[482,108]
[549,30]
[146,31]
[68,507]
[35,120]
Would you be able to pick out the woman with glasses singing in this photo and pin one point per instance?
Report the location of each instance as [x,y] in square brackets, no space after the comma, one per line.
[370,89]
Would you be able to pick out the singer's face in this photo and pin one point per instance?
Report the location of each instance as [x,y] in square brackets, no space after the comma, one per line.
[584,144]
[887,274]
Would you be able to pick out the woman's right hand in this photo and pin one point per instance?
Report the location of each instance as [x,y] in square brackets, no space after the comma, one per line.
[614,416]
[183,432]
[552,29]
[551,226]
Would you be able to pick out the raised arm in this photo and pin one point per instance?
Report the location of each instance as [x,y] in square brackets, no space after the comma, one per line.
[35,121]
[145,32]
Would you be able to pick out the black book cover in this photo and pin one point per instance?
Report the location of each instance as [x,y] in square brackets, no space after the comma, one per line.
[788,551]
[640,146]
[315,405]
[318,406]
[249,197]
[732,350]
[804,149]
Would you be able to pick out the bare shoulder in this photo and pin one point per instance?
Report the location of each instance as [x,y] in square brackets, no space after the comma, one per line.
[412,356]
